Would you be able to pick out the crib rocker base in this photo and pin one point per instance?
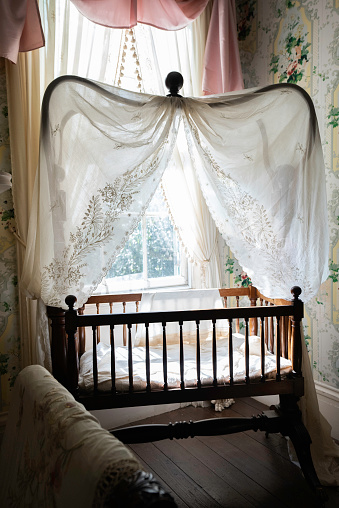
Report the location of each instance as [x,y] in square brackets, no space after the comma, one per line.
[284,418]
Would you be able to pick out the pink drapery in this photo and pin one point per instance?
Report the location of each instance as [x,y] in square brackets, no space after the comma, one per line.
[20,28]
[222,68]
[164,14]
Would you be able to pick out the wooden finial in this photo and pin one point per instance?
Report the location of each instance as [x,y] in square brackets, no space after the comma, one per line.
[296,292]
[70,301]
[174,83]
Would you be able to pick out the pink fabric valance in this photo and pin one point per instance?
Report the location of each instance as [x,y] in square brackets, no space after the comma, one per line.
[222,69]
[20,28]
[164,14]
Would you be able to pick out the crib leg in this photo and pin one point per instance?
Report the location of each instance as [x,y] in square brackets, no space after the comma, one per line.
[294,428]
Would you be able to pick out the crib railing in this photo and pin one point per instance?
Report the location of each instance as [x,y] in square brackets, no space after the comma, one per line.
[272,329]
[268,319]
[129,302]
[228,296]
[100,301]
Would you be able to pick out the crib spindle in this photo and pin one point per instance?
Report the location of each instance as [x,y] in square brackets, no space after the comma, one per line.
[214,354]
[247,353]
[148,364]
[198,355]
[237,322]
[98,328]
[130,357]
[182,374]
[95,359]
[253,321]
[230,350]
[262,346]
[266,330]
[164,354]
[289,337]
[112,344]
[284,335]
[278,350]
[271,332]
[136,310]
[124,341]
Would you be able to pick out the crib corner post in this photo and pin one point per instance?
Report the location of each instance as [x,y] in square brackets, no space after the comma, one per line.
[72,355]
[56,318]
[298,314]
[253,296]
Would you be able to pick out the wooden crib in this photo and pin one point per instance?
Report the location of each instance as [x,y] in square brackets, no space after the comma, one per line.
[276,323]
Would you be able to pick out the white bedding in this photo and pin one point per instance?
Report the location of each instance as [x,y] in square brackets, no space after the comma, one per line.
[173,366]
[189,299]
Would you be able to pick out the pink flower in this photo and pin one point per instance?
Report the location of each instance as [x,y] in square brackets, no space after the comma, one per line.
[297,52]
[292,67]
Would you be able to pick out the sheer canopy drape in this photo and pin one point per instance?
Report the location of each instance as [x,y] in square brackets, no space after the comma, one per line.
[187,207]
[103,152]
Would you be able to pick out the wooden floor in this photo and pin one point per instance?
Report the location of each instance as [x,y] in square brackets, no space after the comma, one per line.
[236,471]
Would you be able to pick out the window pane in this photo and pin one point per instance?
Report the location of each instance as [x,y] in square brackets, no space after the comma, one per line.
[151,257]
[157,205]
[129,261]
[162,252]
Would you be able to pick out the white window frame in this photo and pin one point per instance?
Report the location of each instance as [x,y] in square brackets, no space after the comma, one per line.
[124,284]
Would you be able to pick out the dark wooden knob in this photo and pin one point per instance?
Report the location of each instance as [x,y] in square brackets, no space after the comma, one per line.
[174,83]
[70,301]
[296,292]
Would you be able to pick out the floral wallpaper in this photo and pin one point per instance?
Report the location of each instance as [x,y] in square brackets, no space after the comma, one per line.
[297,42]
[9,323]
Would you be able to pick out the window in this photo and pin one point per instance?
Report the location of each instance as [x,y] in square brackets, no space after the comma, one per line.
[152,257]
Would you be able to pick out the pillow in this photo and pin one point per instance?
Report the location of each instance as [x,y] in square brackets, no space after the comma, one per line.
[254,346]
[192,299]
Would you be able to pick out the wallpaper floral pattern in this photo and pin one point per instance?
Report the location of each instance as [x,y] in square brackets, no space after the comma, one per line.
[9,324]
[297,42]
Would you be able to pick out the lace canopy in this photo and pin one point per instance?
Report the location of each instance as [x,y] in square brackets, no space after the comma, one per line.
[256,153]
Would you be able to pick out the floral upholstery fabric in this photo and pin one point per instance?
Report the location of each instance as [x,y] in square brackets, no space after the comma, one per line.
[54,452]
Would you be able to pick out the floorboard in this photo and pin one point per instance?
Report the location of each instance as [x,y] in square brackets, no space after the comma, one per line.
[240,470]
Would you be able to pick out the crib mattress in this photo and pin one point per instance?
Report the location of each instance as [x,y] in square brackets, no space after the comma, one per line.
[173,365]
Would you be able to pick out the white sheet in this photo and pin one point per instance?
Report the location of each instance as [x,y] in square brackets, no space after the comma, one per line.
[173,366]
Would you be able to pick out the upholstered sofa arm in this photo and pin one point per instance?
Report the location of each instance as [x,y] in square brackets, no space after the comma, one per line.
[55,453]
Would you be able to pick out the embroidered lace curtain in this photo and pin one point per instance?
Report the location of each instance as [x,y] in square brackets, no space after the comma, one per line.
[257,156]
